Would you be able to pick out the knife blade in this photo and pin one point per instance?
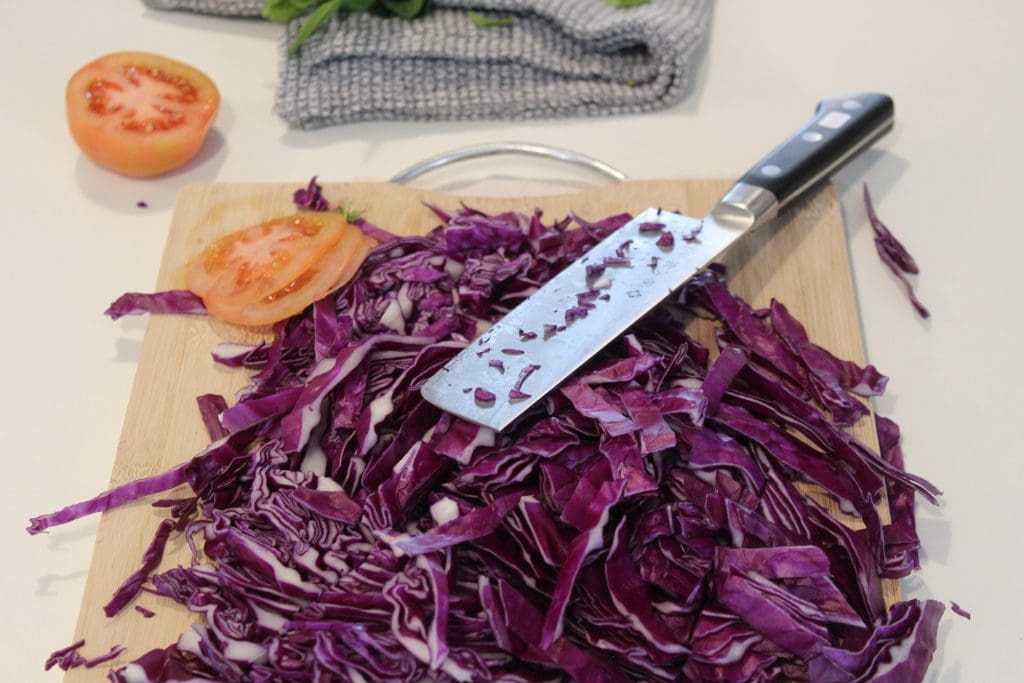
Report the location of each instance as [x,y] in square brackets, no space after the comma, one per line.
[596,299]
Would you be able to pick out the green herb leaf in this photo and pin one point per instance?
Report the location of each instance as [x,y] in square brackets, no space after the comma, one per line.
[357,5]
[407,9]
[286,10]
[622,4]
[351,214]
[316,18]
[485,21]
[283,11]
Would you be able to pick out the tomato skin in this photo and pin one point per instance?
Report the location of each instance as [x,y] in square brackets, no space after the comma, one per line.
[140,146]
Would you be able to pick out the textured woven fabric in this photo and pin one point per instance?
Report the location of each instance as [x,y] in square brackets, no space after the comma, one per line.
[558,58]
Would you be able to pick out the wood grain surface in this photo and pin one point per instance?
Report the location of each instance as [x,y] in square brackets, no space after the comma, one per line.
[801,259]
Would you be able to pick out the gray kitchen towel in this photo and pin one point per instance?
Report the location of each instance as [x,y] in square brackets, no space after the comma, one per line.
[557,58]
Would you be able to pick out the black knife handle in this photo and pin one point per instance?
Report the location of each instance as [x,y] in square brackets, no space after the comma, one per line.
[841,127]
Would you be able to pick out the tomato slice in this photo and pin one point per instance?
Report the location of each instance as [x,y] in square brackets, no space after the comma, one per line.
[140,114]
[249,264]
[337,267]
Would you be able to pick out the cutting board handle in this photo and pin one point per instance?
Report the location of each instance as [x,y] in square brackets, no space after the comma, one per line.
[842,126]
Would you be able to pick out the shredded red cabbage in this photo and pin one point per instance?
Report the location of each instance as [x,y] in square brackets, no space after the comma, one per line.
[575,313]
[641,523]
[311,197]
[693,234]
[960,610]
[171,301]
[70,658]
[894,254]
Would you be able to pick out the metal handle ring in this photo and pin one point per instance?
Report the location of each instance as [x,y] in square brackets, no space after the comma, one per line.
[518,148]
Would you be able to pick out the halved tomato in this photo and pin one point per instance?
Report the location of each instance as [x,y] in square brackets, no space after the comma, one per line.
[248,264]
[267,272]
[140,114]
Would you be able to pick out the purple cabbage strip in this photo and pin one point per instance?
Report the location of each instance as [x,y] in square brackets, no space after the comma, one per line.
[894,254]
[171,301]
[70,658]
[575,313]
[524,374]
[472,525]
[210,408]
[150,560]
[640,523]
[694,234]
[959,610]
[650,226]
[311,197]
[722,372]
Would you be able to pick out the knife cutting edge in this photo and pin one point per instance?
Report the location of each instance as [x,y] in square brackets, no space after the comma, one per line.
[600,296]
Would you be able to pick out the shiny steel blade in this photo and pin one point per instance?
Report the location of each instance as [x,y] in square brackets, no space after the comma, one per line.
[841,127]
[633,290]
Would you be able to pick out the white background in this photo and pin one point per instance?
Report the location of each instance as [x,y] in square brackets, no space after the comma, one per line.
[947,180]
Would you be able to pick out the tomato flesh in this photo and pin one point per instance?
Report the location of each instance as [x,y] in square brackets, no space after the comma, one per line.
[140,114]
[250,264]
[150,101]
[268,272]
[337,267]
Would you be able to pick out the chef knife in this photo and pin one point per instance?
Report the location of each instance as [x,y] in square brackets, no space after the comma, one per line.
[556,330]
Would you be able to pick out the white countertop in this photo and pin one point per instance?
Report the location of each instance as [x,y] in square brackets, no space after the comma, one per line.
[943,180]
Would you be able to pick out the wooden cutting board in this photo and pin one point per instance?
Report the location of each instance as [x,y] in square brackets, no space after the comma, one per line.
[801,260]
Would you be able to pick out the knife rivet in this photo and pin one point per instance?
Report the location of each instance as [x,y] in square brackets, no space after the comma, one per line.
[770,170]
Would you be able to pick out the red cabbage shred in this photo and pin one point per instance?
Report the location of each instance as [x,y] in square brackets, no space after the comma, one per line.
[171,301]
[640,523]
[311,197]
[70,658]
[894,254]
